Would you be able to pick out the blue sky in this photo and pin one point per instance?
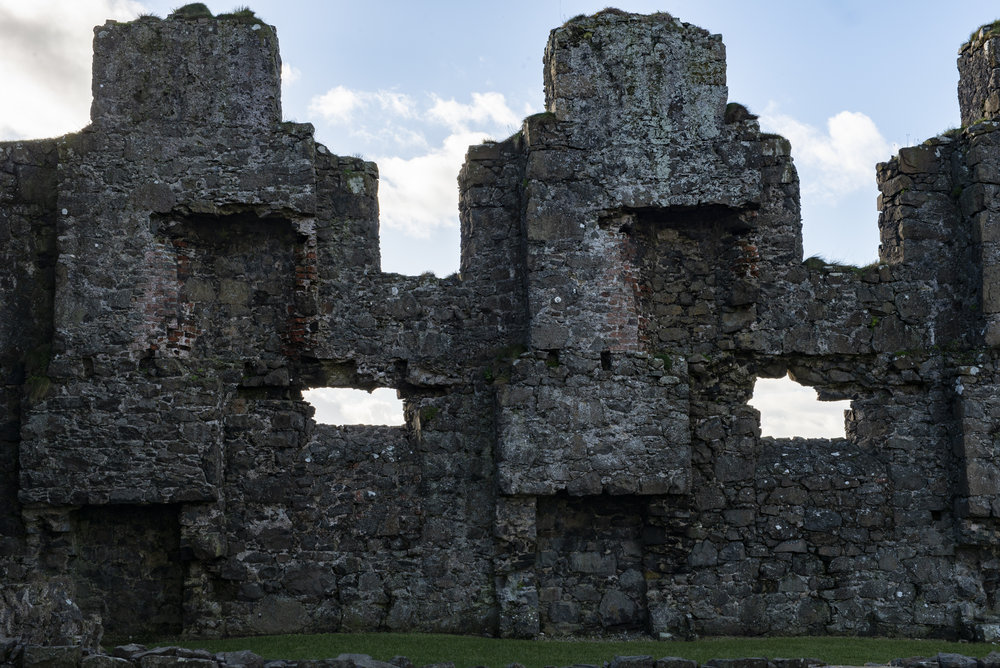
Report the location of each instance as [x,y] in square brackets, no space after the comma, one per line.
[411,84]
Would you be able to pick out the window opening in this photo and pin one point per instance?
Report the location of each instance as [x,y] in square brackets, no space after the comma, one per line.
[345,406]
[436,253]
[788,409]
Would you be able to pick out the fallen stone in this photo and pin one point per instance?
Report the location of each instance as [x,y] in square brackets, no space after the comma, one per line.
[128,651]
[363,661]
[675,662]
[66,656]
[644,661]
[752,662]
[241,659]
[104,661]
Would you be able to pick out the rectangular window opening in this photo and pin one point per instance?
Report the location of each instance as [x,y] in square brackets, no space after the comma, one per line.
[347,406]
[789,410]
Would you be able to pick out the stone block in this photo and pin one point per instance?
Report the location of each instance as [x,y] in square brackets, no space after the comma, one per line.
[952,660]
[822,519]
[703,554]
[168,661]
[128,651]
[104,661]
[982,478]
[991,335]
[639,661]
[750,662]
[592,562]
[553,223]
[65,656]
[617,609]
[362,661]
[401,662]
[564,612]
[896,185]
[991,289]
[234,292]
[917,159]
[797,663]
[8,648]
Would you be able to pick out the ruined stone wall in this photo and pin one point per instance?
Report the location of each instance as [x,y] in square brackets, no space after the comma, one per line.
[27,237]
[578,454]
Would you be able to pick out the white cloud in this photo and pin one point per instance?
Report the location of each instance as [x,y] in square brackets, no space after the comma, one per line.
[337,105]
[340,105]
[421,193]
[396,103]
[486,109]
[346,406]
[418,193]
[788,409]
[843,156]
[289,74]
[47,46]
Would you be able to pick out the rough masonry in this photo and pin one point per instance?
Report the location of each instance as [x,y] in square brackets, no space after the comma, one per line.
[578,455]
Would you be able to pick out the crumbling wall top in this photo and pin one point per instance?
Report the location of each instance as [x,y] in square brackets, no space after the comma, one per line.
[647,96]
[613,66]
[979,75]
[225,73]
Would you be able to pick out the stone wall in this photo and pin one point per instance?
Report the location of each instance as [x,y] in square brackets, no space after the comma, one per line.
[16,654]
[578,456]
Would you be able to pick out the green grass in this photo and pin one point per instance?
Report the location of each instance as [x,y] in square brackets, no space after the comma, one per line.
[819,263]
[466,651]
[992,30]
[243,15]
[193,10]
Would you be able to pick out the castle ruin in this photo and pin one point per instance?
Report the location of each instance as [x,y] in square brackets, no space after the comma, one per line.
[578,455]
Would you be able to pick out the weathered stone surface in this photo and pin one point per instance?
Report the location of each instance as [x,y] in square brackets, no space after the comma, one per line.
[796,663]
[632,662]
[991,660]
[37,656]
[952,660]
[103,661]
[166,657]
[750,662]
[361,661]
[128,651]
[43,613]
[915,662]
[578,456]
[675,662]
[243,658]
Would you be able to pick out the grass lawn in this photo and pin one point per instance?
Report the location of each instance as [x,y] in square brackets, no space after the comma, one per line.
[468,651]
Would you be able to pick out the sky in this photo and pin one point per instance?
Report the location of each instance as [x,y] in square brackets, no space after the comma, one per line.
[412,84]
